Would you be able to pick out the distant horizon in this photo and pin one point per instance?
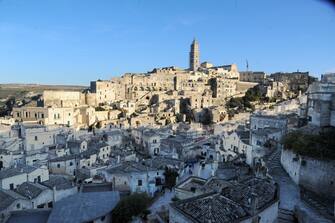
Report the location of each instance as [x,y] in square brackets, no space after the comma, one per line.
[75,42]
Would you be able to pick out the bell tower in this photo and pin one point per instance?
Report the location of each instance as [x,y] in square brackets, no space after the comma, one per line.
[194,56]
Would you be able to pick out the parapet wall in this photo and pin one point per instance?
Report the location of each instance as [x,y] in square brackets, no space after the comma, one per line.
[313,174]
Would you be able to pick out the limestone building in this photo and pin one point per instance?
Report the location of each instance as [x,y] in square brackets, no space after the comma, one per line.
[320,110]
[134,99]
[249,76]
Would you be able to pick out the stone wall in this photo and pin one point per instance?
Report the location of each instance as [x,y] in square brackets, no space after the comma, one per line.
[290,164]
[318,176]
[63,98]
[315,175]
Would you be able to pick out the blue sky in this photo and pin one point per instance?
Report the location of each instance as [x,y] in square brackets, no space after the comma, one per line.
[75,41]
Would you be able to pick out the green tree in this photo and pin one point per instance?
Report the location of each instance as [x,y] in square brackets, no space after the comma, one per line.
[131,206]
[170,177]
[320,146]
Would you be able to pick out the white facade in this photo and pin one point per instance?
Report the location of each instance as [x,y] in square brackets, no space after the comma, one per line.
[145,181]
[151,143]
[38,137]
[63,165]
[12,182]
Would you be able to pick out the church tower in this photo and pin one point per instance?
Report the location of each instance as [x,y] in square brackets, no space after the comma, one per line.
[194,56]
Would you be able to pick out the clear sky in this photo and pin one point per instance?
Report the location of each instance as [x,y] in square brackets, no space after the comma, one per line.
[75,41]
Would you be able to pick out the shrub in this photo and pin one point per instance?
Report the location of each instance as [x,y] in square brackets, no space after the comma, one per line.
[321,146]
[132,205]
[170,177]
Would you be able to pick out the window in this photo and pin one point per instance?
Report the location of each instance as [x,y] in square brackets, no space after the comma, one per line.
[11,186]
[139,183]
[18,205]
[35,138]
[71,164]
[58,165]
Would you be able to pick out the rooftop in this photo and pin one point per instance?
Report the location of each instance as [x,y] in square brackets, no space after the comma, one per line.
[30,190]
[20,169]
[191,183]
[60,182]
[84,207]
[212,207]
[233,204]
[162,162]
[29,216]
[7,197]
[129,167]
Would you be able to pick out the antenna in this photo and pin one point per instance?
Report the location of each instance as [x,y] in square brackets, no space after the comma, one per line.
[247,65]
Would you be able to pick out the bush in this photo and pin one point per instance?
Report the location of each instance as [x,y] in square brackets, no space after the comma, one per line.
[170,177]
[99,108]
[253,94]
[244,103]
[132,205]
[321,146]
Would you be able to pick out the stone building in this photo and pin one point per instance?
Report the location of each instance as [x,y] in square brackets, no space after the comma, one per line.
[134,177]
[274,89]
[135,95]
[63,99]
[11,178]
[296,81]
[251,76]
[320,109]
[266,132]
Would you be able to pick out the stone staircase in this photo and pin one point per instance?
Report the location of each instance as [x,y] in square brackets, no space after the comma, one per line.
[286,216]
[273,163]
